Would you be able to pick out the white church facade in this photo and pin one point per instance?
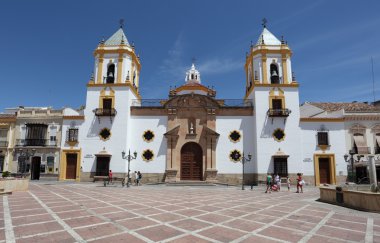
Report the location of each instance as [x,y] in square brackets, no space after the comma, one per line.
[193,135]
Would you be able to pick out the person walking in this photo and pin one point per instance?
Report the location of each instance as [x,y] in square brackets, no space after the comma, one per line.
[269,183]
[288,182]
[110,177]
[299,183]
[139,177]
[278,182]
[136,178]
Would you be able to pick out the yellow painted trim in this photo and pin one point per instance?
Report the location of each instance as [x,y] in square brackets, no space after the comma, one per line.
[229,136]
[127,84]
[317,119]
[281,97]
[121,50]
[142,155]
[279,140]
[264,69]
[8,120]
[99,75]
[119,68]
[332,168]
[277,85]
[104,96]
[185,87]
[73,118]
[284,69]
[229,155]
[63,163]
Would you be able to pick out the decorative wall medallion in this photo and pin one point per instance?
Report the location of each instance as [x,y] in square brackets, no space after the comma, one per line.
[105,134]
[147,155]
[235,155]
[148,136]
[279,135]
[235,136]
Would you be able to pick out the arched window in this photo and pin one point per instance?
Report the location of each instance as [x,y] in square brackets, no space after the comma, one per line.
[110,74]
[192,76]
[274,78]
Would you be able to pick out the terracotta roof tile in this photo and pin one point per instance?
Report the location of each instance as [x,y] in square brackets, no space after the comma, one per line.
[347,107]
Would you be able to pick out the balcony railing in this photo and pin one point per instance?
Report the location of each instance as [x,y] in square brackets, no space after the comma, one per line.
[105,112]
[278,112]
[3,143]
[161,102]
[35,142]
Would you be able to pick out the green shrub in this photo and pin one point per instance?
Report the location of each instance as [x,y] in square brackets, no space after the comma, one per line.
[6,173]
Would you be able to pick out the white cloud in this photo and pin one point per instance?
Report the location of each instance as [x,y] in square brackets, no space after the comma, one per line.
[218,66]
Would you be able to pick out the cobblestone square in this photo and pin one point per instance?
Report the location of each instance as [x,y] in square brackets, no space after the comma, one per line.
[89,212]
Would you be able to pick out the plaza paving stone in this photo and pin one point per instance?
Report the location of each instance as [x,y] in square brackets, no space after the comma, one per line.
[88,212]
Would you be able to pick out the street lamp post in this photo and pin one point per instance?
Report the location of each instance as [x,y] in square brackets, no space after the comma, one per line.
[243,161]
[350,159]
[129,157]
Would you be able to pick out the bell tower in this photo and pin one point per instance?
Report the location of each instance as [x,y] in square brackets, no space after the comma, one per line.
[116,62]
[112,89]
[274,92]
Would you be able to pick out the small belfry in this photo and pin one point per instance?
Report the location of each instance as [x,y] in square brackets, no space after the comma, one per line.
[193,75]
[116,62]
[268,62]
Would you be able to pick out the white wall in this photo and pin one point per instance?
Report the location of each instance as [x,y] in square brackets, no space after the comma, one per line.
[336,135]
[225,125]
[267,146]
[89,131]
[139,125]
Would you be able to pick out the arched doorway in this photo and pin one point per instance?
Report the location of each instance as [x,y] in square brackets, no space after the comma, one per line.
[191,162]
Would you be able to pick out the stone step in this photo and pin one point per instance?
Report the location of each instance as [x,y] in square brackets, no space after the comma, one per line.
[190,183]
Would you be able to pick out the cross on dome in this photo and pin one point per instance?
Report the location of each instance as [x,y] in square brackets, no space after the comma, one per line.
[193,75]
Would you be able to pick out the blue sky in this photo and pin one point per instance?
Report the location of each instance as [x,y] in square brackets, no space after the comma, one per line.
[47,46]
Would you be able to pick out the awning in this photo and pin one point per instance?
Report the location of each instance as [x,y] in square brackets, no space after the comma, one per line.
[361,144]
[378,140]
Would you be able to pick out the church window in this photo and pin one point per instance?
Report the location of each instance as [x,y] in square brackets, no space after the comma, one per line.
[274,78]
[235,155]
[148,136]
[323,138]
[147,155]
[192,76]
[279,135]
[105,134]
[235,136]
[110,79]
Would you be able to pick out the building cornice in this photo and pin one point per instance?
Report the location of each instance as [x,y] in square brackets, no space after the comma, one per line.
[73,117]
[321,119]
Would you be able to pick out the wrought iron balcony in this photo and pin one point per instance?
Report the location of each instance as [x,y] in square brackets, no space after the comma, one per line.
[35,142]
[278,112]
[105,112]
[4,144]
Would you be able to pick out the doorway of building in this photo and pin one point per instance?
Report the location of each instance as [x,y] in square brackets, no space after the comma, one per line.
[324,171]
[2,158]
[71,166]
[35,168]
[191,162]
[102,165]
